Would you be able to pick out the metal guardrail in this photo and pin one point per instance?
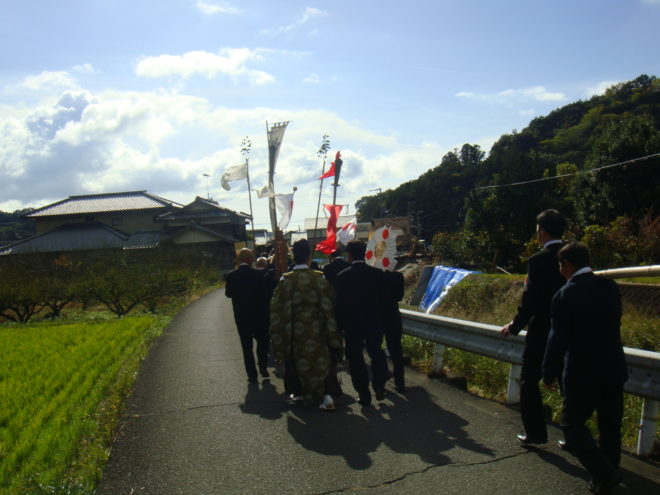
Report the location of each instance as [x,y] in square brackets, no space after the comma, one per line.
[483,339]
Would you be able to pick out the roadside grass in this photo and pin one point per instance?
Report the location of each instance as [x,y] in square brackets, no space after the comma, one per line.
[493,299]
[62,386]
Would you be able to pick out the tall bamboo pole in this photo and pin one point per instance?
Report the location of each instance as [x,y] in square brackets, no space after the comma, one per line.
[246,145]
[322,152]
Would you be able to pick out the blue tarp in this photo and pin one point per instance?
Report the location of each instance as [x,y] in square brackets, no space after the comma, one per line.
[442,279]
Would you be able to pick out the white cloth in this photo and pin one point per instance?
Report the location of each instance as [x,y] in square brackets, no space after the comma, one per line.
[265,192]
[237,172]
[284,205]
[347,232]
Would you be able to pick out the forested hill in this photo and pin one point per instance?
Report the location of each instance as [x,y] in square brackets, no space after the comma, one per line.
[14,227]
[472,224]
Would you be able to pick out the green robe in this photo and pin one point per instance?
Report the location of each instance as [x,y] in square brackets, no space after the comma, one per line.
[303,324]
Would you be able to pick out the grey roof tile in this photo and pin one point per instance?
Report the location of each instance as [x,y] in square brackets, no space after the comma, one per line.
[98,203]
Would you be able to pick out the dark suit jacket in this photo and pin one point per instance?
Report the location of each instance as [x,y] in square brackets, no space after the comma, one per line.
[394,286]
[331,270]
[361,298]
[543,281]
[247,289]
[585,337]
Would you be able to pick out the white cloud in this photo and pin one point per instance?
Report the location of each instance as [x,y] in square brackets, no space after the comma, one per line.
[537,93]
[84,68]
[312,79]
[209,8]
[229,61]
[49,80]
[309,14]
[599,88]
[163,142]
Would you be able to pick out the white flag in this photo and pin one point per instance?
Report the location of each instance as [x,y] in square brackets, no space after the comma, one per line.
[284,205]
[347,232]
[237,172]
[265,192]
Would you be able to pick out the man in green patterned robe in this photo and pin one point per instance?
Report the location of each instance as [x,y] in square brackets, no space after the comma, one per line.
[304,331]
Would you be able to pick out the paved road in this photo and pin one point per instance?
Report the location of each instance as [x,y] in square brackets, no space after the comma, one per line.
[193,426]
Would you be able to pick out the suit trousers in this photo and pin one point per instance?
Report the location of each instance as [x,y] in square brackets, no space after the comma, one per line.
[393,341]
[581,399]
[531,401]
[356,342]
[247,332]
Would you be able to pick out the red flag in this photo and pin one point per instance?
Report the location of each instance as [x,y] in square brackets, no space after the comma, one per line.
[330,243]
[335,167]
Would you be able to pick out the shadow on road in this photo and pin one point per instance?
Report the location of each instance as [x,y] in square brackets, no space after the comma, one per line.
[264,400]
[354,435]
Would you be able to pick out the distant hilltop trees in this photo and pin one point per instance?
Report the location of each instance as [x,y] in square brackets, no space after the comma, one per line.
[615,208]
[14,227]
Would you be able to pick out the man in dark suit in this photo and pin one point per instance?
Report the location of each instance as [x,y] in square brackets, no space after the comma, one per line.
[361,300]
[332,269]
[393,327]
[585,340]
[247,289]
[543,280]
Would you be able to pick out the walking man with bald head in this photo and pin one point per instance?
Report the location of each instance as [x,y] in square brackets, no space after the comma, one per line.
[248,292]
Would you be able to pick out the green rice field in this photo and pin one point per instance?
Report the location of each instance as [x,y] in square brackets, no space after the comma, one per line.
[61,389]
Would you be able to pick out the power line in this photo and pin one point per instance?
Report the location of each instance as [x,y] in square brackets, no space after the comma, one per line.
[569,174]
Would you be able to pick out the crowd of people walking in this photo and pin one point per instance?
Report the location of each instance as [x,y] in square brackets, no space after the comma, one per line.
[314,319]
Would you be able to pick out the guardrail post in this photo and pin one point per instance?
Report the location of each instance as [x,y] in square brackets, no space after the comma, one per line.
[436,366]
[647,427]
[513,389]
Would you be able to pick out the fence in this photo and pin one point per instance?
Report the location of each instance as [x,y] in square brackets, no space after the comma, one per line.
[483,339]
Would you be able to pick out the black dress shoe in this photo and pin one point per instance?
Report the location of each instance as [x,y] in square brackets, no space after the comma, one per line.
[401,389]
[264,372]
[380,394]
[606,487]
[365,400]
[527,440]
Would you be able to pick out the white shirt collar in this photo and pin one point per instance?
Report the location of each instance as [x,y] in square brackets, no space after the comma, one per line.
[301,267]
[244,264]
[554,241]
[584,269]
[358,261]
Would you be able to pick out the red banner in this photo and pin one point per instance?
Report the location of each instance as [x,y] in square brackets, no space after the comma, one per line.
[330,243]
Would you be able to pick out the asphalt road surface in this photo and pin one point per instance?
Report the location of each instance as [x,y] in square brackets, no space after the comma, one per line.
[194,426]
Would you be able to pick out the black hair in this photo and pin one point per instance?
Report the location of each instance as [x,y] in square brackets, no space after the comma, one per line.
[576,254]
[552,222]
[356,249]
[301,251]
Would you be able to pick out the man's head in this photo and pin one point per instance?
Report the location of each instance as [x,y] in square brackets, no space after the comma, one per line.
[262,262]
[550,225]
[245,255]
[335,254]
[572,257]
[302,253]
[355,250]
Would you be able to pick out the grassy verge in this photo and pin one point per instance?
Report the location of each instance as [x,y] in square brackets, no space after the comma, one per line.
[493,299]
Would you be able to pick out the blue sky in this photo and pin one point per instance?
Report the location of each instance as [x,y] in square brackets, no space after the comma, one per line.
[117,95]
